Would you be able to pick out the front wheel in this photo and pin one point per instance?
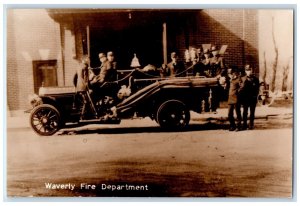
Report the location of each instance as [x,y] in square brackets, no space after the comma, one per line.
[45,120]
[173,114]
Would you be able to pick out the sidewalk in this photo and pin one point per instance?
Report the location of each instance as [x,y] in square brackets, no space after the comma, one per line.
[260,113]
[22,121]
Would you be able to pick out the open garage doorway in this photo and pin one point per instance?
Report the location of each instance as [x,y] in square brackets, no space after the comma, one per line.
[144,40]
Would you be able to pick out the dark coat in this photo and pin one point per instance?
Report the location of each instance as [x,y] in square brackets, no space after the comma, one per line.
[108,73]
[249,88]
[205,63]
[198,69]
[111,72]
[216,65]
[234,90]
[81,78]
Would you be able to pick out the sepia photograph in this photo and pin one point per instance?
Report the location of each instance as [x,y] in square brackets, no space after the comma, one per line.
[149,102]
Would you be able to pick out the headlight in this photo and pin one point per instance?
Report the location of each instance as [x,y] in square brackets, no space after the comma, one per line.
[34,100]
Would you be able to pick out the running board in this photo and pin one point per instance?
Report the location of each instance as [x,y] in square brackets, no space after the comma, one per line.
[101,121]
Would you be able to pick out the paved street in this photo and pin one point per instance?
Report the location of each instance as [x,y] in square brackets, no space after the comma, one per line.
[206,160]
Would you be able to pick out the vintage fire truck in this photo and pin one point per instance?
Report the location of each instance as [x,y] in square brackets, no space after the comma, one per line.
[168,101]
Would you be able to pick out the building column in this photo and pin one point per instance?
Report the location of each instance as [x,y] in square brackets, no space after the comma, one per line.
[164,41]
[70,58]
[88,42]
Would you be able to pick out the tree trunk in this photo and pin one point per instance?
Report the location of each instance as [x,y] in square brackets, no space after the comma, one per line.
[274,66]
[284,78]
[285,75]
[264,75]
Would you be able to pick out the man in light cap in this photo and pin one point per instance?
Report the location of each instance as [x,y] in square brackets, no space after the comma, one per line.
[249,88]
[176,67]
[96,71]
[216,62]
[102,58]
[95,76]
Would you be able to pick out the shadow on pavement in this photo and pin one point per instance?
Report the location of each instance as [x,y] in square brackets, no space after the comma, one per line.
[260,124]
[148,129]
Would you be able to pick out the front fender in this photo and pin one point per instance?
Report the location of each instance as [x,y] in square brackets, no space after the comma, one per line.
[52,101]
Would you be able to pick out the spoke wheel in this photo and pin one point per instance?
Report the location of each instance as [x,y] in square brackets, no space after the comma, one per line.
[173,114]
[45,120]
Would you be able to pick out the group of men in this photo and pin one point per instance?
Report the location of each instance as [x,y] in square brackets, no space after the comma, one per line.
[208,63]
[243,92]
[86,77]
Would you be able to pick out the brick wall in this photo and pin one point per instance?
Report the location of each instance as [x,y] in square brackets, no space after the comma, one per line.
[251,39]
[29,31]
[222,26]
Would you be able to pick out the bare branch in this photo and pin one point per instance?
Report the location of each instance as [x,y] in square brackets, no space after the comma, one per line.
[285,75]
[265,68]
[274,66]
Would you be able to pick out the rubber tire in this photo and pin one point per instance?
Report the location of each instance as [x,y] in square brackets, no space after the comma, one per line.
[173,114]
[54,127]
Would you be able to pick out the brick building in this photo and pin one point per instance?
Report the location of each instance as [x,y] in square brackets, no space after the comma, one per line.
[43,46]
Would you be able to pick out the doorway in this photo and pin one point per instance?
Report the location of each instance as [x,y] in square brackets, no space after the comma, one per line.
[143,40]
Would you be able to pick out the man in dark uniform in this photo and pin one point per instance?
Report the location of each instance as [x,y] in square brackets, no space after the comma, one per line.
[233,101]
[176,67]
[111,66]
[197,68]
[81,77]
[205,60]
[249,88]
[81,82]
[216,62]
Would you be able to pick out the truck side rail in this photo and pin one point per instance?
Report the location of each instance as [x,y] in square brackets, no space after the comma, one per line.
[153,88]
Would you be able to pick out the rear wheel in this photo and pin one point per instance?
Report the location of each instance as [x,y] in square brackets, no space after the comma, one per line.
[45,120]
[173,114]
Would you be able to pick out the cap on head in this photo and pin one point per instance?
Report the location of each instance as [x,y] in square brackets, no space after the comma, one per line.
[101,55]
[173,55]
[234,71]
[206,51]
[214,48]
[110,53]
[248,67]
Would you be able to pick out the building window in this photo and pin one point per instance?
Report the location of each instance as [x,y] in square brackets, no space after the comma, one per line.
[44,73]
